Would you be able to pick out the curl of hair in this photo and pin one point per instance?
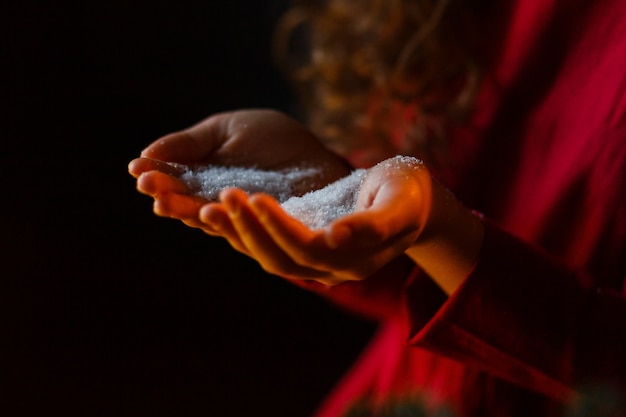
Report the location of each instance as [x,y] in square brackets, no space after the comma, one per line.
[380,74]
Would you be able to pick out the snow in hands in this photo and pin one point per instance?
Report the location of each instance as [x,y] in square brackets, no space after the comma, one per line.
[315,209]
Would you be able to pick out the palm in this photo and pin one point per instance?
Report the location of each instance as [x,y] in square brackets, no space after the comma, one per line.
[391,211]
[255,138]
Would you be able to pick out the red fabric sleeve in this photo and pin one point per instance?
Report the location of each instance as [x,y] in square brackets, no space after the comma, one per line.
[524,317]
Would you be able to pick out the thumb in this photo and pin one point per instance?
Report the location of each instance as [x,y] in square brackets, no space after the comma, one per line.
[191,145]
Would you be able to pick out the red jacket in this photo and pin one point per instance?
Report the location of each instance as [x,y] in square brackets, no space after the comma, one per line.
[542,315]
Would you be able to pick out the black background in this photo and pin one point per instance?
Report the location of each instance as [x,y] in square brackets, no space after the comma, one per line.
[106,309]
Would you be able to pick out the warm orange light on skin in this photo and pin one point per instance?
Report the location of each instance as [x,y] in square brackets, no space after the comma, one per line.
[450,243]
[443,237]
[399,207]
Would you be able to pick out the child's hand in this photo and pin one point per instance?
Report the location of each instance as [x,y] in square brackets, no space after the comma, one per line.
[392,209]
[261,138]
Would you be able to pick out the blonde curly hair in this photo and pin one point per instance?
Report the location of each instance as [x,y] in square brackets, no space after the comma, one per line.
[380,77]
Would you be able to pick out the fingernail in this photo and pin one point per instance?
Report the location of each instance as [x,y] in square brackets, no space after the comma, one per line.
[232,206]
[258,211]
[231,203]
[210,218]
[233,210]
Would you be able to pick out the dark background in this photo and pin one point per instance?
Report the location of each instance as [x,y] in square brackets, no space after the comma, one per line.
[106,309]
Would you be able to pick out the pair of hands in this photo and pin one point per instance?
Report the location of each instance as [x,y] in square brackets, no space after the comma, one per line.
[392,207]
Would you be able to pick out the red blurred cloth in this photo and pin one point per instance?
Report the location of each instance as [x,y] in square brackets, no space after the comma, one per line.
[543,313]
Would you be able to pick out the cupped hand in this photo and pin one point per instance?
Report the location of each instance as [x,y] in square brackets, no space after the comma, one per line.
[392,209]
[263,139]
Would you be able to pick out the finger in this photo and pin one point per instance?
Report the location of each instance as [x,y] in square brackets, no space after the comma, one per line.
[308,248]
[261,246]
[375,228]
[304,246]
[193,144]
[138,166]
[197,224]
[156,182]
[178,206]
[214,216]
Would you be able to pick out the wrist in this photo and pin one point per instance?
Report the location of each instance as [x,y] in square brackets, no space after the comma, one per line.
[450,242]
